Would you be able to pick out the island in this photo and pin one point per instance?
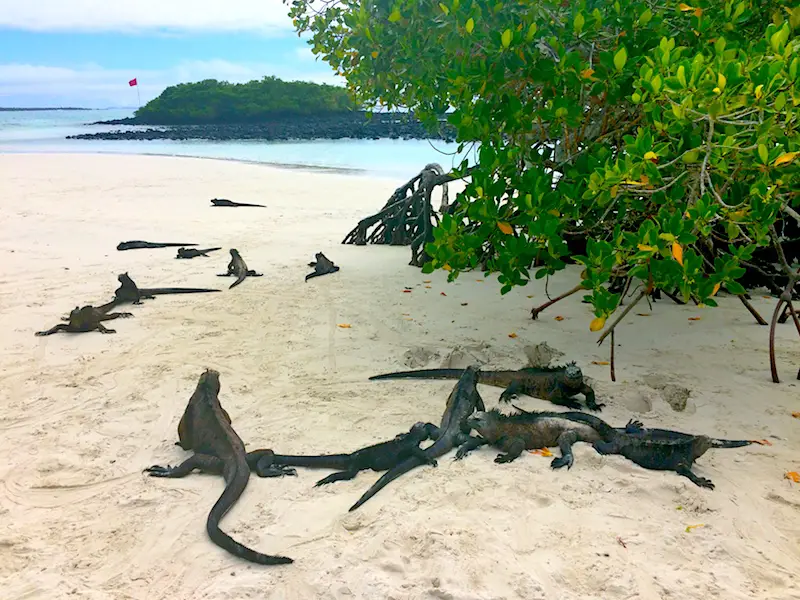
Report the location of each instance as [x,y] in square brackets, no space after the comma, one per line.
[264,109]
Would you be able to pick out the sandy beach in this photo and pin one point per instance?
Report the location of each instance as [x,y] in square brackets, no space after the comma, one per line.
[82,415]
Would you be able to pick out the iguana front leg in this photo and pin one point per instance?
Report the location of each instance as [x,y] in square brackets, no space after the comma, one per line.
[699,481]
[339,476]
[471,444]
[116,315]
[588,394]
[565,441]
[103,329]
[420,454]
[513,448]
[514,389]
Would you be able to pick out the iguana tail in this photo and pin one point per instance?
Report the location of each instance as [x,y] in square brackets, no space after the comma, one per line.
[421,374]
[390,475]
[161,291]
[324,461]
[717,443]
[237,475]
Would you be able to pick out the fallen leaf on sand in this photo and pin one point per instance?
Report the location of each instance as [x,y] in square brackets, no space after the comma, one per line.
[443,294]
[426,281]
[620,542]
[406,291]
[690,527]
[344,325]
[763,442]
[794,476]
[796,415]
[559,318]
[541,452]
[427,287]
[694,318]
[600,362]
[479,280]
[643,314]
[464,303]
[531,296]
[512,335]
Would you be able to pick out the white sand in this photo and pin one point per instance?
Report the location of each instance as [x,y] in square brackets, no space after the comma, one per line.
[82,415]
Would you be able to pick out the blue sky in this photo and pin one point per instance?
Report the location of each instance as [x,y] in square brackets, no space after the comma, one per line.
[83,52]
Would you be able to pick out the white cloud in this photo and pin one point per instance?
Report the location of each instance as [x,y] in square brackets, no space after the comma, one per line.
[93,86]
[267,16]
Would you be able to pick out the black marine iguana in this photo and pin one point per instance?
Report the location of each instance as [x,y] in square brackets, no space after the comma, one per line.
[87,318]
[224,202]
[205,427]
[453,431]
[128,291]
[664,450]
[529,430]
[556,384]
[378,457]
[194,252]
[238,267]
[139,244]
[322,266]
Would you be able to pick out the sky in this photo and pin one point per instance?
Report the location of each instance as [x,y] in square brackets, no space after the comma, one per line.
[83,52]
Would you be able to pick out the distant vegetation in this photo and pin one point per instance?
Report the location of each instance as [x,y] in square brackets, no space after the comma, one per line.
[213,101]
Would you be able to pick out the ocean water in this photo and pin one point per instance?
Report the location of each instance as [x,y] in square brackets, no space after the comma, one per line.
[45,131]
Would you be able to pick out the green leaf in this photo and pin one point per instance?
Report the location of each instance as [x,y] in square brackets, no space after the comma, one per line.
[531,32]
[682,75]
[470,25]
[645,17]
[444,8]
[620,58]
[506,38]
[578,23]
[395,16]
[762,153]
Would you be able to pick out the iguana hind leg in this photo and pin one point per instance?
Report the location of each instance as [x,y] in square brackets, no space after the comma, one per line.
[513,449]
[252,273]
[605,447]
[203,462]
[339,476]
[420,454]
[103,329]
[698,481]
[116,315]
[54,329]
[565,441]
[261,463]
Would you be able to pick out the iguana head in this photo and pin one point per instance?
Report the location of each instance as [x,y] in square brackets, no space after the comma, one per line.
[210,379]
[485,423]
[572,372]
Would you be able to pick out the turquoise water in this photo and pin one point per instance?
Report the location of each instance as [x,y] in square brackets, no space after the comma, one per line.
[45,131]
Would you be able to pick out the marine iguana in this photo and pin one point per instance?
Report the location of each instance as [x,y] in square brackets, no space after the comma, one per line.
[378,457]
[128,291]
[322,266]
[556,384]
[664,450]
[139,244]
[453,431]
[224,202]
[206,428]
[194,252]
[87,318]
[534,429]
[238,267]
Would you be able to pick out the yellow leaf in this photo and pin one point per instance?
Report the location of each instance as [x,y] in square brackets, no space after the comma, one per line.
[685,7]
[698,12]
[542,452]
[631,182]
[796,415]
[785,159]
[512,335]
[506,38]
[597,324]
[717,90]
[614,191]
[395,16]
[374,54]
[505,228]
[651,156]
[600,362]
[694,318]
[444,8]
[426,281]
[677,252]
[721,81]
[470,25]
[344,325]
[690,527]
[716,289]
[554,212]
[559,318]
[645,248]
[759,92]
[587,73]
[644,179]
[793,476]
[447,267]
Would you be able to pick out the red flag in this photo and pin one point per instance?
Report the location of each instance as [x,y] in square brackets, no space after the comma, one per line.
[132,82]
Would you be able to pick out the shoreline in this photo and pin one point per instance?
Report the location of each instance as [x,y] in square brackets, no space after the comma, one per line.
[84,414]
